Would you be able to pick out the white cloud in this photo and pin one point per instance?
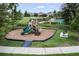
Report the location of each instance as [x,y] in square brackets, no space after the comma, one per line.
[41,7]
[33,8]
[38,7]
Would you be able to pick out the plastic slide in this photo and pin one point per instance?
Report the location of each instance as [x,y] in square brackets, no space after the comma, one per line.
[27,29]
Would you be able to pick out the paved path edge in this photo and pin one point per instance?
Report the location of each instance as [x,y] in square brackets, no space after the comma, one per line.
[39,51]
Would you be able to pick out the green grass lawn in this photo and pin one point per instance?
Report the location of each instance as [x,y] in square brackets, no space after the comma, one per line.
[52,25]
[12,43]
[6,42]
[54,41]
[67,54]
[23,22]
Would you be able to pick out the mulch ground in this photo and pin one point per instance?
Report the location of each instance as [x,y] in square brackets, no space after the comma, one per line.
[16,35]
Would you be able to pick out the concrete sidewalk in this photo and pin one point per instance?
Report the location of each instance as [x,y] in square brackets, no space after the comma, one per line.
[43,51]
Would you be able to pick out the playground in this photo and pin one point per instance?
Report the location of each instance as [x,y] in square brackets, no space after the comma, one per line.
[31,29]
[48,37]
[31,32]
[37,29]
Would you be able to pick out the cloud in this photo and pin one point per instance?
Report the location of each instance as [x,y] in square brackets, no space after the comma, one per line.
[38,7]
[41,7]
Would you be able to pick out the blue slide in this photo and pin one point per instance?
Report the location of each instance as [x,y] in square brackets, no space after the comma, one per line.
[27,29]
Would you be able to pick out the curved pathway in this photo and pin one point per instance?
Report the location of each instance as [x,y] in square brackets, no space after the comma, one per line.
[43,51]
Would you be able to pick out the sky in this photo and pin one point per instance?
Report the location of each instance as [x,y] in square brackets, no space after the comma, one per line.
[39,7]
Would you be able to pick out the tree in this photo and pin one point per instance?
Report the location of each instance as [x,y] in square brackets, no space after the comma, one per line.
[26,14]
[59,14]
[4,19]
[69,11]
[54,14]
[13,8]
[43,15]
[71,15]
[10,10]
[18,15]
[3,13]
[36,15]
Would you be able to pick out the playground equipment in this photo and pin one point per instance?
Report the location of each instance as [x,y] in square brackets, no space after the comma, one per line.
[33,33]
[32,27]
[27,30]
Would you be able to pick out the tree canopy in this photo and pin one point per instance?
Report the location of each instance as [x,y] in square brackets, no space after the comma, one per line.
[71,15]
[26,14]
[9,10]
